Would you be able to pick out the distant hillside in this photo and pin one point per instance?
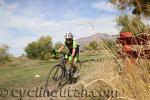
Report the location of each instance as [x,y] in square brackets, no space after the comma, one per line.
[99,36]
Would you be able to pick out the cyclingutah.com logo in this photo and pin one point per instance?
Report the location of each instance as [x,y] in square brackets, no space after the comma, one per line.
[62,93]
[3,92]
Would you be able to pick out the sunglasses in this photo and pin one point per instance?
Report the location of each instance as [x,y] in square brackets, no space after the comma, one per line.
[69,39]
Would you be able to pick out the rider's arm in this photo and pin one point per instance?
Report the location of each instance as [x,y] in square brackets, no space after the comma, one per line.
[60,49]
[74,48]
[73,52]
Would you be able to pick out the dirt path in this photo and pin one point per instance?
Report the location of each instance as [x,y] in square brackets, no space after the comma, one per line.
[99,80]
[91,74]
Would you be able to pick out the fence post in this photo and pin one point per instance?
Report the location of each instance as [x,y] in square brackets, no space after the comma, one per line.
[127,39]
[130,62]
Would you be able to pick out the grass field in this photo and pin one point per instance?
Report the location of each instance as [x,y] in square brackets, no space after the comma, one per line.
[21,72]
[99,71]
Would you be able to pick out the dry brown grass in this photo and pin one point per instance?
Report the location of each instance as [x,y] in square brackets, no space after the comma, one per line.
[133,84]
[131,80]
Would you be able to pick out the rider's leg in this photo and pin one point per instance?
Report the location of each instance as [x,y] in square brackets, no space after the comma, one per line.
[74,64]
[74,67]
[66,57]
[72,61]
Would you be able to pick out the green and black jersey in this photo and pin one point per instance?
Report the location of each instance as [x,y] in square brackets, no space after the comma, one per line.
[71,46]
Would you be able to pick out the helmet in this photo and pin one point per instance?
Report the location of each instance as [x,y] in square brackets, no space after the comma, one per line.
[69,35]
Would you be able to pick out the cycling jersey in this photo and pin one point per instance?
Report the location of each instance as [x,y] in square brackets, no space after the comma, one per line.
[71,46]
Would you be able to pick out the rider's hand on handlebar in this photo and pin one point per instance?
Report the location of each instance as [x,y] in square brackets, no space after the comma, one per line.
[57,51]
[54,52]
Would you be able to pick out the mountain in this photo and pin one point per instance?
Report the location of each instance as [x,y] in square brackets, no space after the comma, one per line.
[99,36]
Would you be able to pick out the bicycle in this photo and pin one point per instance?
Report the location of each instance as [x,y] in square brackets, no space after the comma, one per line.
[60,75]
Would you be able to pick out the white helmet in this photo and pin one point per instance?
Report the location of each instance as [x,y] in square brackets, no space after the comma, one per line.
[69,35]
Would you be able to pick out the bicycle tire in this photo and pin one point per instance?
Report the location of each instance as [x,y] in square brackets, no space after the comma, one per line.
[79,64]
[52,77]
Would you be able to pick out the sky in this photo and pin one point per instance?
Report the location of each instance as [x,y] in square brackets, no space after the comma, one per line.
[24,21]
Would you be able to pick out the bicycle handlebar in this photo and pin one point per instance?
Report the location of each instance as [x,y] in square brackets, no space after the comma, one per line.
[54,52]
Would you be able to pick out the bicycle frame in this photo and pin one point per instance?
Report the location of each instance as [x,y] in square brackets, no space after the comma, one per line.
[63,61]
[64,76]
[63,64]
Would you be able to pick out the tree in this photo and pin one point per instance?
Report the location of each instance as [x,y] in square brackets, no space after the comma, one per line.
[132,24]
[44,47]
[32,51]
[39,49]
[4,53]
[138,6]
[93,45]
[58,45]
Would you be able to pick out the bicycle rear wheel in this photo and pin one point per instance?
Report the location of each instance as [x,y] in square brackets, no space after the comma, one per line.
[55,74]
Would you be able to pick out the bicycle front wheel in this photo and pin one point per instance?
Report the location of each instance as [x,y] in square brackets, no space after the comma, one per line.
[54,76]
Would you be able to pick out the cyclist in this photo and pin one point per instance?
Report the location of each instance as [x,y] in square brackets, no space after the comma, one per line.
[73,53]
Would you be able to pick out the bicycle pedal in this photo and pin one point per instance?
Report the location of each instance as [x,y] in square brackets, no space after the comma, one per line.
[74,80]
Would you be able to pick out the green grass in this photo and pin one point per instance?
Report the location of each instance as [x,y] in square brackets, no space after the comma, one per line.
[20,73]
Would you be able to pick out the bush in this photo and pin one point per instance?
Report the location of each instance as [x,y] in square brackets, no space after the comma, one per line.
[39,49]
[4,54]
[132,24]
[101,45]
[92,46]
